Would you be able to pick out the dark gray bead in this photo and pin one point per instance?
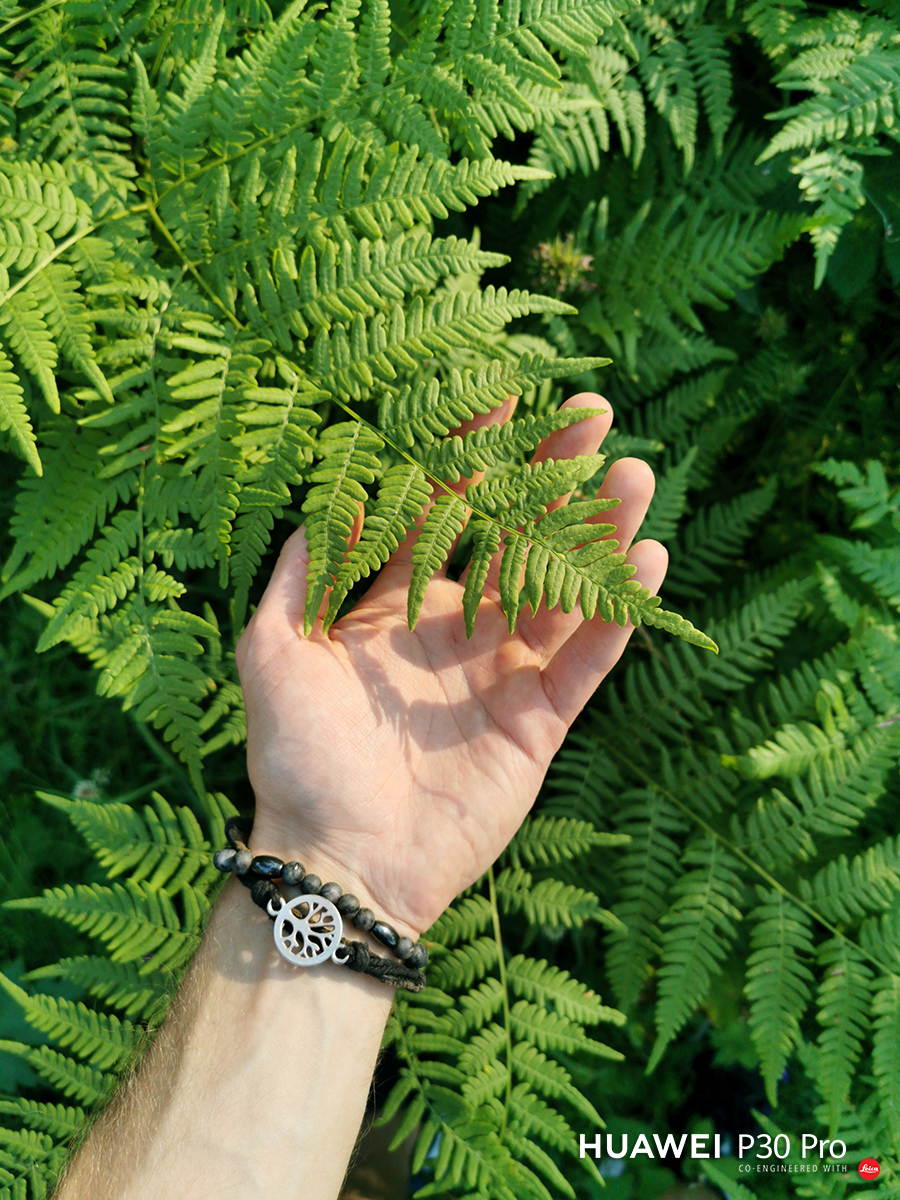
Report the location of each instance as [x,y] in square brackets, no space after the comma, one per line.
[364,919]
[267,866]
[224,859]
[292,874]
[348,906]
[403,949]
[241,862]
[417,957]
[310,884]
[262,891]
[330,891]
[386,934]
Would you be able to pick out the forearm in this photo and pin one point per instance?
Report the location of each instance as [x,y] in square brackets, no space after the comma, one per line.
[257,1080]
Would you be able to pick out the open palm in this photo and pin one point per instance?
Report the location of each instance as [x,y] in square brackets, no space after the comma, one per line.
[402,762]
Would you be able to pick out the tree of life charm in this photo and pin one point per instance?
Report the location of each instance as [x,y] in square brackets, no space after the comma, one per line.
[308,930]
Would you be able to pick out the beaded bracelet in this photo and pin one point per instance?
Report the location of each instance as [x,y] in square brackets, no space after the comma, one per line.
[308,929]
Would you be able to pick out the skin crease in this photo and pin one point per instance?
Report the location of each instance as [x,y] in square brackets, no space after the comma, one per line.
[398,763]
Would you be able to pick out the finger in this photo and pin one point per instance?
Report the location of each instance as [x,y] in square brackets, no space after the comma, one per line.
[285,596]
[633,482]
[585,437]
[402,556]
[582,662]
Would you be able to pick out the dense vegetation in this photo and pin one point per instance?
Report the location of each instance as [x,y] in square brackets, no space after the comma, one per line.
[256,264]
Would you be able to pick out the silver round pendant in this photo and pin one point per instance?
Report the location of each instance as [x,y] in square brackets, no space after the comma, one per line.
[308,930]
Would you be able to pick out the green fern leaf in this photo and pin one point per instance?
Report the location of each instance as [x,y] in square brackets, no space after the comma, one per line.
[131,920]
[119,984]
[160,845]
[886,1044]
[700,927]
[30,339]
[55,289]
[844,997]
[402,496]
[332,503]
[102,1040]
[14,415]
[81,1082]
[777,983]
[543,840]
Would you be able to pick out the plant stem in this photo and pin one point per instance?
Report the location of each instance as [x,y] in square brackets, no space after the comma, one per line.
[507,1019]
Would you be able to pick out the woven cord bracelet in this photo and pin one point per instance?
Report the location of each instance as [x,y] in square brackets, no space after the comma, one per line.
[308,929]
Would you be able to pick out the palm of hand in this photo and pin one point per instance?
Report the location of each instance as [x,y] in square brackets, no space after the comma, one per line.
[404,761]
[415,753]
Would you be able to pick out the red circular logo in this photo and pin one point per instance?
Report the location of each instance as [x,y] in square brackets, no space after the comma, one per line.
[869,1168]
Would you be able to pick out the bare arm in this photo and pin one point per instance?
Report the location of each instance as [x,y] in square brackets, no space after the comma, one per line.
[398,764]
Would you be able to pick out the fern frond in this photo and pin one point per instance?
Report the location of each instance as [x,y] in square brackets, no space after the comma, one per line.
[886,1049]
[77,1080]
[402,496]
[846,890]
[99,1038]
[463,921]
[133,921]
[549,902]
[713,538]
[59,1120]
[332,503]
[55,290]
[492,445]
[14,418]
[649,867]
[542,840]
[119,984]
[778,983]
[160,845]
[29,338]
[550,1080]
[698,930]
[552,1031]
[546,985]
[844,997]
[428,409]
[440,529]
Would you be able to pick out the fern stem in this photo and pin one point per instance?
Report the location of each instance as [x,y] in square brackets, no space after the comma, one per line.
[57,250]
[34,12]
[164,230]
[507,1019]
[738,852]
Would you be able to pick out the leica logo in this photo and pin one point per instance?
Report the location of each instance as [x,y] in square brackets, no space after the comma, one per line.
[869,1168]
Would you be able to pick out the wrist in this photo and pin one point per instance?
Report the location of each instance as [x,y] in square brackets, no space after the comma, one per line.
[352,878]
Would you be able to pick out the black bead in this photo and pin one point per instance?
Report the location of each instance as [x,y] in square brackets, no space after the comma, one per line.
[241,862]
[223,859]
[262,891]
[237,829]
[247,880]
[364,920]
[348,906]
[292,874]
[417,957]
[310,884]
[386,934]
[330,891]
[403,949]
[267,866]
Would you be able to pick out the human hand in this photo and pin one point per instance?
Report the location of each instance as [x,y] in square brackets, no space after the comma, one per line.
[400,763]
